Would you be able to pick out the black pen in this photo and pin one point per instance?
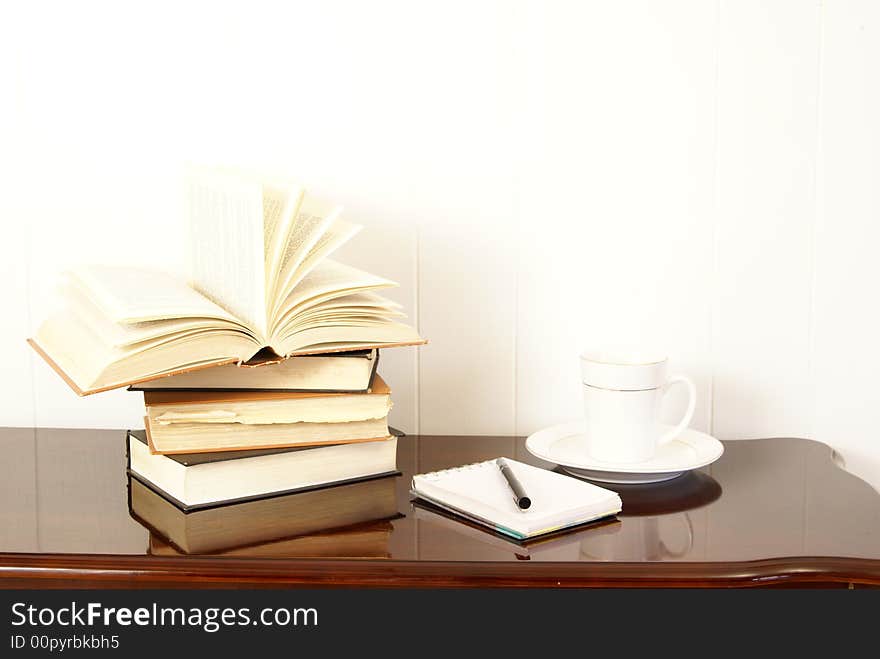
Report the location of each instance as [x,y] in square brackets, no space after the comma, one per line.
[519,494]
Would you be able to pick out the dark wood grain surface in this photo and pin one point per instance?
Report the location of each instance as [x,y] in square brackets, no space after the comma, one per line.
[771,512]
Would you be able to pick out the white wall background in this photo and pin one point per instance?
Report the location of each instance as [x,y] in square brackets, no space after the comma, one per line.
[539,176]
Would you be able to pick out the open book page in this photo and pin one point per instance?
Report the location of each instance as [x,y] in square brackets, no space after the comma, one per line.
[126,294]
[75,348]
[356,305]
[335,338]
[314,218]
[343,317]
[365,300]
[329,279]
[117,335]
[281,203]
[90,365]
[335,235]
[227,251]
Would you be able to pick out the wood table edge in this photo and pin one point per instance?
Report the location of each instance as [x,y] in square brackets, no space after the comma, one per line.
[72,571]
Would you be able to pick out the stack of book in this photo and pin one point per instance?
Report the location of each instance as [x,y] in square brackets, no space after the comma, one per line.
[258,374]
[304,423]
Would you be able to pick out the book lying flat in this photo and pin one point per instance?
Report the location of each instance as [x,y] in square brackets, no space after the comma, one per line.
[212,407]
[349,372]
[480,493]
[266,520]
[260,282]
[201,480]
[175,438]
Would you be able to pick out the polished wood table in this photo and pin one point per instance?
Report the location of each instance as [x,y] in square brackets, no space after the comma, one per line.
[770,512]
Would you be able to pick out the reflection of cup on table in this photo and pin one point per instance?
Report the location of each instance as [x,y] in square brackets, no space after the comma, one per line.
[622,396]
[642,539]
[656,520]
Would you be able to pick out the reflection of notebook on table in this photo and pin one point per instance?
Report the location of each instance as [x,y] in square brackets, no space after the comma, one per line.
[561,545]
[480,493]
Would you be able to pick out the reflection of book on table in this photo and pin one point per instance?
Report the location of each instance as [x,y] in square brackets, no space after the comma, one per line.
[188,422]
[362,541]
[199,480]
[267,520]
[563,545]
[480,493]
[260,282]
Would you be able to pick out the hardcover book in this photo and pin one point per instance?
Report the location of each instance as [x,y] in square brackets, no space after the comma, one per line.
[203,480]
[197,421]
[224,437]
[211,407]
[350,372]
[326,511]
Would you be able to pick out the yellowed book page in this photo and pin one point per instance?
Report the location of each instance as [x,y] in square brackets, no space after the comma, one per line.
[327,409]
[201,437]
[281,203]
[128,295]
[364,300]
[348,337]
[315,217]
[227,251]
[335,235]
[121,334]
[76,350]
[354,305]
[340,310]
[328,280]
[89,364]
[321,317]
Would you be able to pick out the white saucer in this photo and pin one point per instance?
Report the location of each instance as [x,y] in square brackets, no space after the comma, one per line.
[564,445]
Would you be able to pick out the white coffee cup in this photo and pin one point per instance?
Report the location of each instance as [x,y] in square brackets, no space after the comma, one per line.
[622,400]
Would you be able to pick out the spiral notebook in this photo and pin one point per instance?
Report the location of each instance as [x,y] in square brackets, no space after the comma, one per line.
[480,493]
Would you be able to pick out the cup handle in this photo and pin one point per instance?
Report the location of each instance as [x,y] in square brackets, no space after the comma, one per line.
[689,414]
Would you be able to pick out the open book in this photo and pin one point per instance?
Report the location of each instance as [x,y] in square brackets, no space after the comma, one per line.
[261,282]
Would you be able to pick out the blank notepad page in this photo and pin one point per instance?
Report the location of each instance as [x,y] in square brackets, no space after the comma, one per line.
[481,493]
